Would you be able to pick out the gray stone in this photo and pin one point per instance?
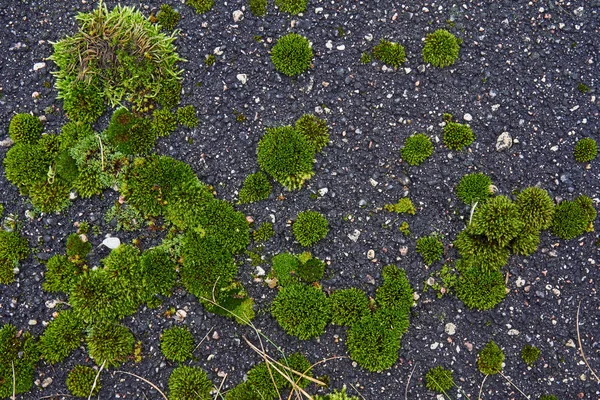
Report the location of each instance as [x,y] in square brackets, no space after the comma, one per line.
[504,142]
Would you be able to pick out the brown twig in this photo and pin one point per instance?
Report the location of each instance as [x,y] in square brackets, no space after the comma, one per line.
[515,386]
[219,388]
[481,388]
[408,382]
[581,347]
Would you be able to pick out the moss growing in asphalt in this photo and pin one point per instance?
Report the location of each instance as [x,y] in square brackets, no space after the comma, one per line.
[572,218]
[365,58]
[526,243]
[189,383]
[291,6]
[201,6]
[536,208]
[164,122]
[439,379]
[61,274]
[336,395]
[242,391]
[110,343]
[498,219]
[587,205]
[158,273]
[264,232]
[25,128]
[431,248]
[585,150]
[13,248]
[285,267]
[403,206]
[310,227]
[26,165]
[62,335]
[530,354]
[441,48]
[186,116]
[72,132]
[186,204]
[457,136]
[479,288]
[81,380]
[177,344]
[130,134]
[348,306]
[417,149]
[256,187]
[77,249]
[21,352]
[395,293]
[292,54]
[310,269]
[287,156]
[302,311]
[265,383]
[389,53]
[479,250]
[167,18]
[258,8]
[226,225]
[315,130]
[548,397]
[490,359]
[475,187]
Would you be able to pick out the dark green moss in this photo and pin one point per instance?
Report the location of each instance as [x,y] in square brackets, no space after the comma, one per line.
[291,6]
[536,208]
[302,311]
[13,248]
[548,397]
[389,53]
[111,344]
[417,149]
[50,197]
[315,130]
[256,187]
[439,380]
[348,306]
[441,48]
[264,232]
[25,165]
[530,354]
[292,54]
[186,116]
[285,267]
[585,150]
[21,352]
[164,122]
[77,249]
[62,335]
[265,382]
[186,204]
[336,395]
[61,274]
[201,6]
[478,288]
[25,128]
[431,248]
[498,219]
[475,187]
[526,243]
[258,8]
[131,134]
[242,391]
[570,220]
[189,383]
[158,271]
[365,58]
[490,359]
[310,269]
[395,293]
[83,102]
[177,343]
[169,94]
[167,18]
[310,227]
[226,225]
[457,136]
[481,251]
[81,380]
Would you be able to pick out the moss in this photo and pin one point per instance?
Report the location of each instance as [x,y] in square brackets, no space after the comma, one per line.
[583,88]
[479,250]
[336,395]
[25,128]
[457,136]
[82,101]
[167,18]
[498,219]
[62,335]
[570,220]
[242,391]
[126,217]
[365,58]
[201,6]
[490,359]
[589,211]
[348,306]
[72,132]
[264,382]
[293,7]
[536,208]
[526,243]
[475,187]
[395,293]
[530,354]
[264,232]
[61,274]
[417,149]
[169,94]
[189,383]
[431,248]
[315,130]
[404,228]
[25,165]
[66,169]
[256,187]
[158,271]
[479,288]
[285,267]
[403,206]
[585,150]
[210,60]
[50,197]
[177,344]
[439,380]
[228,227]
[441,48]
[548,397]
[20,351]
[77,249]
[186,203]
[164,122]
[131,134]
[292,54]
[302,311]
[186,116]
[310,227]
[310,269]
[389,53]
[13,248]
[110,343]
[80,381]
[286,155]
[258,8]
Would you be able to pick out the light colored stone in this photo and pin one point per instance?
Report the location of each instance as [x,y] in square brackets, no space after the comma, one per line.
[341,47]
[112,242]
[354,235]
[329,44]
[450,328]
[434,346]
[468,117]
[218,51]
[32,322]
[371,254]
[260,271]
[431,281]
[403,251]
[570,343]
[238,15]
[38,66]
[6,142]
[513,332]
[46,382]
[215,335]
[368,37]
[504,141]
[323,191]
[373,182]
[520,282]
[242,78]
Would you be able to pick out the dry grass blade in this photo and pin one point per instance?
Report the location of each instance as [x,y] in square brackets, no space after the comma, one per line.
[14,381]
[220,387]
[581,347]
[481,387]
[408,382]
[356,390]
[203,339]
[96,379]
[147,381]
[515,386]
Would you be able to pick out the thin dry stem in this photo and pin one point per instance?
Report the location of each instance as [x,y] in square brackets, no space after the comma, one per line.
[515,386]
[219,388]
[356,390]
[581,347]
[481,388]
[408,382]
[147,381]
[203,339]
[14,379]
[96,379]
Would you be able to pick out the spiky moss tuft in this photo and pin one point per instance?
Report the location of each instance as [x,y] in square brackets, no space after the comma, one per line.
[477,287]
[25,165]
[25,128]
[72,132]
[186,116]
[439,380]
[417,149]
[242,391]
[475,187]
[61,274]
[265,383]
[256,187]
[302,311]
[285,269]
[49,197]
[587,205]
[530,354]
[585,150]
[403,206]
[293,7]
[169,94]
[292,54]
[80,381]
[310,227]
[348,306]
[548,397]
[264,232]
[431,248]
[457,136]
[167,17]
[395,293]
[286,155]
[258,8]
[498,219]
[201,6]
[490,359]
[479,250]
[536,208]
[110,343]
[226,225]
[189,383]
[441,48]
[389,53]
[310,269]
[82,101]
[315,130]
[187,203]
[77,249]
[177,344]
[164,122]
[526,243]
[13,248]
[158,271]
[336,395]
[21,352]
[572,218]
[62,335]
[130,134]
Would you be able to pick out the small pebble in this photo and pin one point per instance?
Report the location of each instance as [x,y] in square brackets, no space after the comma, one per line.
[468,117]
[450,328]
[371,254]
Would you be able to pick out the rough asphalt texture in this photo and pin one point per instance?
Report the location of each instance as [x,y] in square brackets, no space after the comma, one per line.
[518,71]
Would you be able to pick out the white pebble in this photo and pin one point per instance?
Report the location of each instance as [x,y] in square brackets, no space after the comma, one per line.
[371,254]
[341,47]
[242,78]
[38,66]
[238,15]
[450,328]
[468,117]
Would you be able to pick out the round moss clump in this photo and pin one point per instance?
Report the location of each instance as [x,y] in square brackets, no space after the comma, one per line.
[431,248]
[25,128]
[315,130]
[25,165]
[548,397]
[130,134]
[13,248]
[477,288]
[530,354]
[62,335]
[189,383]
[389,53]
[110,343]
[417,149]
[167,17]
[585,150]
[480,251]
[186,116]
[439,379]
[293,7]
[395,293]
[348,306]
[536,208]
[256,187]
[310,269]
[292,54]
[158,271]
[457,136]
[570,220]
[18,350]
[287,156]
[474,187]
[490,359]
[526,243]
[177,344]
[80,381]
[302,311]
[441,48]
[498,219]
[310,227]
